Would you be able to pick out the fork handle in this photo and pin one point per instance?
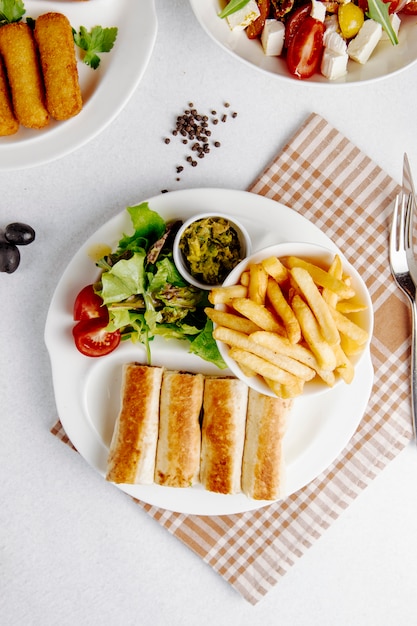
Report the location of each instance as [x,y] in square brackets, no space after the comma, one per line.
[414,366]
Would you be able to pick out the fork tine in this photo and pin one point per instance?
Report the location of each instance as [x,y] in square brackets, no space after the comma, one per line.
[394,228]
[408,224]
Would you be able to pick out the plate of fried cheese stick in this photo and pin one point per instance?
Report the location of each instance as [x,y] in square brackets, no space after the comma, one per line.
[54,95]
[206,442]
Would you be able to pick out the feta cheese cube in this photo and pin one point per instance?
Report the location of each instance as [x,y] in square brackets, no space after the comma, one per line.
[395,23]
[242,18]
[333,64]
[331,23]
[318,10]
[272,37]
[361,47]
[335,42]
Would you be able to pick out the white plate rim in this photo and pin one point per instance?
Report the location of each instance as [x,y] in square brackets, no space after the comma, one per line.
[137,31]
[250,52]
[77,380]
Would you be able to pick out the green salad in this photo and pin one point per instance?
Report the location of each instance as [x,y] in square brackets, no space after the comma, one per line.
[146,296]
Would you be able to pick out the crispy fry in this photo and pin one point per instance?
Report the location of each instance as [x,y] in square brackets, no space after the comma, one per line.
[274,267]
[258,282]
[244,278]
[317,304]
[344,366]
[224,295]
[53,34]
[258,313]
[349,328]
[296,351]
[322,278]
[262,367]
[231,320]
[236,339]
[350,306]
[284,311]
[8,123]
[311,332]
[335,270]
[18,49]
[285,391]
[349,346]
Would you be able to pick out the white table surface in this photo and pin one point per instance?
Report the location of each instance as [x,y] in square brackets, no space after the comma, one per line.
[75,550]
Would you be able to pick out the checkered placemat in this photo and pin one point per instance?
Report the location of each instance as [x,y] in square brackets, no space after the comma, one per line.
[323,176]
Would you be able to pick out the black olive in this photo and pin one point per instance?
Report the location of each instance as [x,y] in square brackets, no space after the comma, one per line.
[9,257]
[19,234]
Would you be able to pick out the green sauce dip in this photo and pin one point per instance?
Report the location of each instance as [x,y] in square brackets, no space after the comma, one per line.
[211,249]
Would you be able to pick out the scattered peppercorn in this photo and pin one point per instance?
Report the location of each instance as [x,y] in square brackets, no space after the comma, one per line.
[194,126]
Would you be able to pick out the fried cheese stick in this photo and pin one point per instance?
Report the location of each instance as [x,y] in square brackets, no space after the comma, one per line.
[18,49]
[53,34]
[8,123]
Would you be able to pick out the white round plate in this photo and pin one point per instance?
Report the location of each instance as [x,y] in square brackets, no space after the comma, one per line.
[87,390]
[385,60]
[105,90]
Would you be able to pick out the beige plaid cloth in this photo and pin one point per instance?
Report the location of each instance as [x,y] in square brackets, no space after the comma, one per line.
[323,176]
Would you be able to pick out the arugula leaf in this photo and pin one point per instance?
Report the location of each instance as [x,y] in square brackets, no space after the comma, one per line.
[11,11]
[232,7]
[94,42]
[379,12]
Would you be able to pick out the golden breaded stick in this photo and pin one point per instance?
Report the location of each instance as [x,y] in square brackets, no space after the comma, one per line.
[8,123]
[53,34]
[18,49]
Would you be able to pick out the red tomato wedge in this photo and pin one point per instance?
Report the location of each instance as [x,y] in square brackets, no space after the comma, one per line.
[92,339]
[306,48]
[89,305]
[293,23]
[409,9]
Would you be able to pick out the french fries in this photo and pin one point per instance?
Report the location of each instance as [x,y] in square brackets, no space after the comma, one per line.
[290,322]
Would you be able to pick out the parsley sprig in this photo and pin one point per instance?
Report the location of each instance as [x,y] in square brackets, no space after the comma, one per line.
[94,42]
[11,11]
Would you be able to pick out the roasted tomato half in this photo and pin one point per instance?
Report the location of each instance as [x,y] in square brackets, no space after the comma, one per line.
[306,48]
[294,21]
[89,305]
[92,339]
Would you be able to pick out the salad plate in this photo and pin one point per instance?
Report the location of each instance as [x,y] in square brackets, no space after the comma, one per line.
[105,90]
[87,390]
[386,59]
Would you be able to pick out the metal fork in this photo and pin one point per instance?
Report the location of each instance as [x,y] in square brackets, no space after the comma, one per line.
[401,258]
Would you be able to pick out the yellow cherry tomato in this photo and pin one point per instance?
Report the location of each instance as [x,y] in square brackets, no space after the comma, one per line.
[350,18]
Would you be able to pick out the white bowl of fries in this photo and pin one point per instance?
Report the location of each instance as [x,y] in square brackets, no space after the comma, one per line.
[292,319]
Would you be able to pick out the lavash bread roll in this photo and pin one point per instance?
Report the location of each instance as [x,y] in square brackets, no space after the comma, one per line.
[132,453]
[223,434]
[179,440]
[19,53]
[53,34]
[263,463]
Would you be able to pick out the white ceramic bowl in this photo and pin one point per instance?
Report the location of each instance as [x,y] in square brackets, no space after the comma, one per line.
[321,256]
[386,59]
[244,239]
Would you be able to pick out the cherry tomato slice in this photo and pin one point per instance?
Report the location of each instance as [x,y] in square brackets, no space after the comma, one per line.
[92,339]
[89,305]
[306,48]
[294,21]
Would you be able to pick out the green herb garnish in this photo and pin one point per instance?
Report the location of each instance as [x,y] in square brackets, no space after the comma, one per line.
[232,7]
[94,42]
[379,12]
[11,11]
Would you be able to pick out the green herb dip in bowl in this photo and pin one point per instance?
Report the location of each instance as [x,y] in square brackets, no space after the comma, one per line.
[208,247]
